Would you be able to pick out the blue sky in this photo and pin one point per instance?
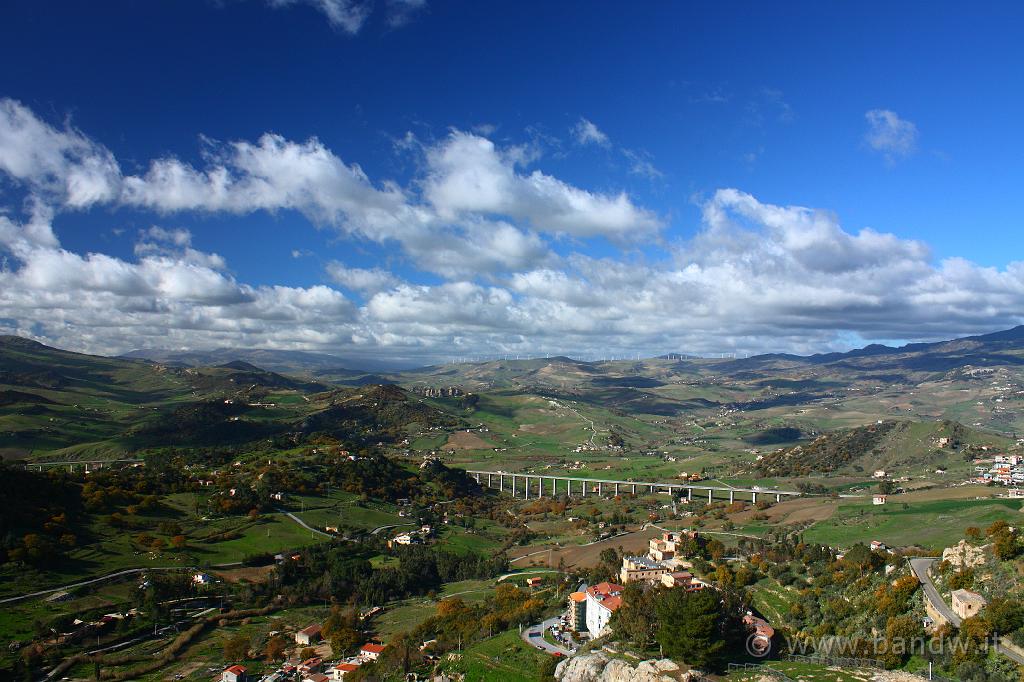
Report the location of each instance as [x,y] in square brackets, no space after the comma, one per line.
[584,178]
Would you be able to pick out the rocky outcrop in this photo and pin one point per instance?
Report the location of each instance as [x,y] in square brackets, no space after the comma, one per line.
[894,676]
[964,555]
[599,667]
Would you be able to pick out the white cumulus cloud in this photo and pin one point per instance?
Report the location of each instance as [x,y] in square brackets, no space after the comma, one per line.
[893,137]
[586,132]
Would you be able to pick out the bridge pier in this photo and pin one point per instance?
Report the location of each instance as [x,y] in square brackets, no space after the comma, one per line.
[616,487]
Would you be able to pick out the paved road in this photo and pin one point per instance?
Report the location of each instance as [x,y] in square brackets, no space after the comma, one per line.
[534,636]
[305,525]
[920,568]
[109,576]
[394,525]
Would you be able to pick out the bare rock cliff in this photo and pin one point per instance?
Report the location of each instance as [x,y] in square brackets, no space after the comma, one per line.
[598,667]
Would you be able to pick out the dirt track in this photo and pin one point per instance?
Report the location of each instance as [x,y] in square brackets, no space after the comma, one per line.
[585,556]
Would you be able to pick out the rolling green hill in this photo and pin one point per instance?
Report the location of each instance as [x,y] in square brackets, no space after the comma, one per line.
[59,405]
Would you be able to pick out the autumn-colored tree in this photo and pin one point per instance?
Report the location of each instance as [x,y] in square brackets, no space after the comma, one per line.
[1005,545]
[894,599]
[492,623]
[901,633]
[723,576]
[962,580]
[236,647]
[275,648]
[997,527]
[450,607]
[179,542]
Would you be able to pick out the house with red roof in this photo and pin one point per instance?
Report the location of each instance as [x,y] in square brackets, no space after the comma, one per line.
[342,669]
[371,651]
[235,673]
[761,633]
[603,600]
[308,635]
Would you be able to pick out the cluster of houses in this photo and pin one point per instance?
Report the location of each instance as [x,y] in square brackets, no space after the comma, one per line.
[412,537]
[313,669]
[1005,469]
[663,563]
[591,609]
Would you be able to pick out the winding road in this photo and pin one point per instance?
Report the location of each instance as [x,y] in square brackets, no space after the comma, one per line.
[920,568]
[305,525]
[71,586]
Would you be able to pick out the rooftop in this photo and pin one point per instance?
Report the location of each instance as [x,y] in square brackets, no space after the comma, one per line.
[607,595]
[968,596]
[645,562]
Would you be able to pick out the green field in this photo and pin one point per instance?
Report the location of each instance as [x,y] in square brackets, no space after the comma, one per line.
[806,671]
[503,657]
[933,524]
[772,599]
[210,543]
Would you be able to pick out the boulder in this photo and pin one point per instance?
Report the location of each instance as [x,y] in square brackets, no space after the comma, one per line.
[586,668]
[598,667]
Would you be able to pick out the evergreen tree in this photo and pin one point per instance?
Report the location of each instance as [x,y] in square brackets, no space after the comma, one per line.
[692,627]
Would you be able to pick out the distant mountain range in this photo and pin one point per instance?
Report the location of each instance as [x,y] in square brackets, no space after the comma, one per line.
[285,361]
[73,405]
[998,347]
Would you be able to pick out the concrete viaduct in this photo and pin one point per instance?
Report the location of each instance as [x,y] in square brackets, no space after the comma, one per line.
[537,485]
[84,465]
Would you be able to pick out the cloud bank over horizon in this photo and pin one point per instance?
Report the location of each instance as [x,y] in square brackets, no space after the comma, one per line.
[505,257]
